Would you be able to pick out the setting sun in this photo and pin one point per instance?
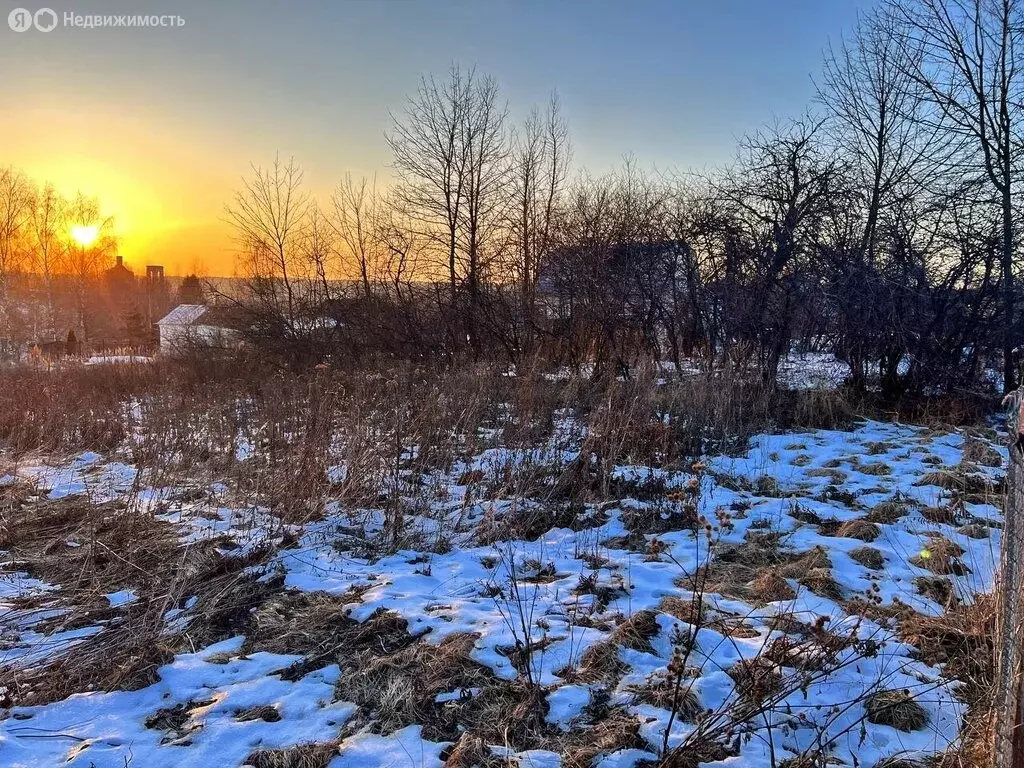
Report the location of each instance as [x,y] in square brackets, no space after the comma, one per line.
[85,236]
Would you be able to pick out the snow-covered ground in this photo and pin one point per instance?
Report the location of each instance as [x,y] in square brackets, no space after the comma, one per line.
[591,616]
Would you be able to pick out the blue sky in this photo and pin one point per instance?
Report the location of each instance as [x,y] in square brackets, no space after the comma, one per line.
[673,83]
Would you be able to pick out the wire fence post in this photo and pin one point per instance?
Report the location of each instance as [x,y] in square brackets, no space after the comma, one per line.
[1009,683]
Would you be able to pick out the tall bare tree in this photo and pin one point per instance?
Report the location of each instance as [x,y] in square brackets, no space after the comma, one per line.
[270,217]
[540,166]
[47,234]
[486,141]
[15,204]
[86,262]
[355,212]
[431,157]
[449,150]
[969,68]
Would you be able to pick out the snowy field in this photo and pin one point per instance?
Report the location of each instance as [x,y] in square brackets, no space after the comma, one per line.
[740,612]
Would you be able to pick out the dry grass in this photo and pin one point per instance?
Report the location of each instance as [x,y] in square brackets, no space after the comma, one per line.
[821,582]
[888,512]
[869,557]
[979,452]
[89,550]
[317,755]
[876,469]
[769,587]
[393,676]
[798,565]
[755,679]
[470,751]
[690,611]
[613,731]
[600,663]
[974,531]
[313,624]
[835,476]
[636,631]
[939,515]
[399,689]
[940,556]
[896,709]
[937,588]
[862,529]
[960,479]
[900,762]
[264,712]
[660,691]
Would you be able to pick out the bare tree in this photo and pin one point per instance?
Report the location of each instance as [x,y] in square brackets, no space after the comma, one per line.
[270,215]
[781,192]
[48,242]
[355,212]
[540,158]
[15,203]
[486,142]
[431,157]
[86,262]
[968,66]
[450,150]
[876,118]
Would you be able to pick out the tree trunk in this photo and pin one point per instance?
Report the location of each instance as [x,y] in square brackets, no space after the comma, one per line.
[1009,372]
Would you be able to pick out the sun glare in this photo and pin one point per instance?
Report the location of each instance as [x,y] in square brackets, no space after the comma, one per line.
[85,236]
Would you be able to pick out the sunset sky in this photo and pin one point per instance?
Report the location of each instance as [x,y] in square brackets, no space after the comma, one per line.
[161,123]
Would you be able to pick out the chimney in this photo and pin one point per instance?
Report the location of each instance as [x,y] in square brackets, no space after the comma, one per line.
[120,261]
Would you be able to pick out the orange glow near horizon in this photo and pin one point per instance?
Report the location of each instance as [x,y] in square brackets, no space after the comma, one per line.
[162,190]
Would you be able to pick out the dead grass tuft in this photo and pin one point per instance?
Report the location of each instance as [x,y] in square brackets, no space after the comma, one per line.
[615,730]
[835,476]
[876,469]
[399,689]
[313,624]
[939,515]
[869,557]
[176,722]
[900,762]
[696,752]
[979,452]
[937,588]
[660,691]
[888,512]
[755,679]
[896,709]
[940,556]
[862,529]
[314,755]
[959,479]
[690,611]
[974,531]
[821,582]
[637,631]
[769,587]
[601,663]
[264,712]
[470,751]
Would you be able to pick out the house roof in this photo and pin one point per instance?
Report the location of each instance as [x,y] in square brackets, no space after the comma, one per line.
[183,314]
[232,318]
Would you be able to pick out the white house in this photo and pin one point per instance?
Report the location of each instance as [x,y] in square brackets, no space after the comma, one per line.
[189,324]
